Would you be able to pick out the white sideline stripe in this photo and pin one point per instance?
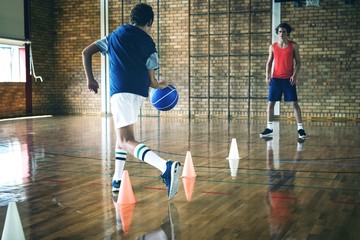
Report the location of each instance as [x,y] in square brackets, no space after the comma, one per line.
[21,118]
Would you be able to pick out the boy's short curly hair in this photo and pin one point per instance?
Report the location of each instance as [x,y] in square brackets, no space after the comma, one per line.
[284,25]
[142,14]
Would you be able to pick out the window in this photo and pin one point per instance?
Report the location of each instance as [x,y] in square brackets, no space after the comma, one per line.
[12,64]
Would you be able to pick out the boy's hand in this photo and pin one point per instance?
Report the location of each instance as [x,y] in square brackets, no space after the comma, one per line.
[93,85]
[267,80]
[293,80]
[163,84]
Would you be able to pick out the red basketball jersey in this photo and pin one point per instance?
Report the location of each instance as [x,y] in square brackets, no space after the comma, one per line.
[283,61]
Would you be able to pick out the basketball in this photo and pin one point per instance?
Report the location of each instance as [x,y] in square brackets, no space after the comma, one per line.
[164,99]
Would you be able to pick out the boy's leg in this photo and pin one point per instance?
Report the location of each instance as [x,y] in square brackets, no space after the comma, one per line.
[290,95]
[120,160]
[297,113]
[270,114]
[126,140]
[170,170]
[274,95]
[270,117]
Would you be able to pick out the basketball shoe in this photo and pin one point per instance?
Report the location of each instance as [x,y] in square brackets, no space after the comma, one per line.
[266,133]
[302,133]
[116,185]
[171,178]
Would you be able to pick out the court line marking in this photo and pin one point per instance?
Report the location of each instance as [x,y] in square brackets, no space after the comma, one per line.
[225,170]
[222,181]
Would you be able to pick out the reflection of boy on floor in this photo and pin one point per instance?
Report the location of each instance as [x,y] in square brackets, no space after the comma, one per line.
[280,196]
[167,230]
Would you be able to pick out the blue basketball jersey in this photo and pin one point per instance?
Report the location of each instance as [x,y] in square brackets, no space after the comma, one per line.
[131,53]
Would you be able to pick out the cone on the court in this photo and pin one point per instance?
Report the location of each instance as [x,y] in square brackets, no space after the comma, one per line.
[234,151]
[12,227]
[234,164]
[126,194]
[188,170]
[189,184]
[126,215]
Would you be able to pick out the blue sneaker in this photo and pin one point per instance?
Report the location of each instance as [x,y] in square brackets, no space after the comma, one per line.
[171,178]
[302,133]
[116,185]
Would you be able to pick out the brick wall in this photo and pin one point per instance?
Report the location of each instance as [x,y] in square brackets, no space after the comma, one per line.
[43,36]
[220,73]
[77,24]
[329,40]
[12,97]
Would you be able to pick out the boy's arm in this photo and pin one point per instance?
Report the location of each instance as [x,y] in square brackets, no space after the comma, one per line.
[269,64]
[293,78]
[87,62]
[152,65]
[154,82]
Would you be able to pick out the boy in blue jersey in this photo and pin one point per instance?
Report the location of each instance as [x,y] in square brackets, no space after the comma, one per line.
[133,60]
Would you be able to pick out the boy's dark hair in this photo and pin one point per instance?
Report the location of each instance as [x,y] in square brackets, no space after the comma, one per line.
[142,14]
[284,25]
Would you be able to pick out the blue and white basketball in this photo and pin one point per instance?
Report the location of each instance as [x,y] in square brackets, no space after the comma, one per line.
[164,99]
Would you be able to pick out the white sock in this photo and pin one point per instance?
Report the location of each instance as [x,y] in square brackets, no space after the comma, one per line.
[120,159]
[143,153]
[300,126]
[299,147]
[157,234]
[270,125]
[269,145]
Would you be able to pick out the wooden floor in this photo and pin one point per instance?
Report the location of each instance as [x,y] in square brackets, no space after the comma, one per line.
[58,171]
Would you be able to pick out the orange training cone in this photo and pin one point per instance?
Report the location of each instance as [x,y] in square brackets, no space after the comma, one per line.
[126,215]
[12,227]
[189,184]
[126,194]
[188,170]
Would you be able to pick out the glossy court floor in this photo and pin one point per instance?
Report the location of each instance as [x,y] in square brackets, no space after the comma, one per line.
[58,171]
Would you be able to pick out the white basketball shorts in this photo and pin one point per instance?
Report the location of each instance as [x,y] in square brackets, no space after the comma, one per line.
[125,108]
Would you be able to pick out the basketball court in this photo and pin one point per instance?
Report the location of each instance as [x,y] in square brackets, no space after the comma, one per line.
[61,168]
[56,170]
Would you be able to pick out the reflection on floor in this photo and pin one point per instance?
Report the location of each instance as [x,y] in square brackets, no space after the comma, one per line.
[58,171]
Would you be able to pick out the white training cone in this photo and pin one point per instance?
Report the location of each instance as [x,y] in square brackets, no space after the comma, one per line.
[12,227]
[234,164]
[234,152]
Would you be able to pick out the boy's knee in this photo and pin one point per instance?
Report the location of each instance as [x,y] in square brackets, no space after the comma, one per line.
[271,105]
[123,141]
[296,105]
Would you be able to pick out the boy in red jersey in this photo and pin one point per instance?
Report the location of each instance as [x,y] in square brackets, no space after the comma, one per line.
[282,80]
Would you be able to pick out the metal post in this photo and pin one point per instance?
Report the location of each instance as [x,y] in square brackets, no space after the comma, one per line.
[276,18]
[122,12]
[158,41]
[228,62]
[249,60]
[189,60]
[208,77]
[28,84]
[104,25]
